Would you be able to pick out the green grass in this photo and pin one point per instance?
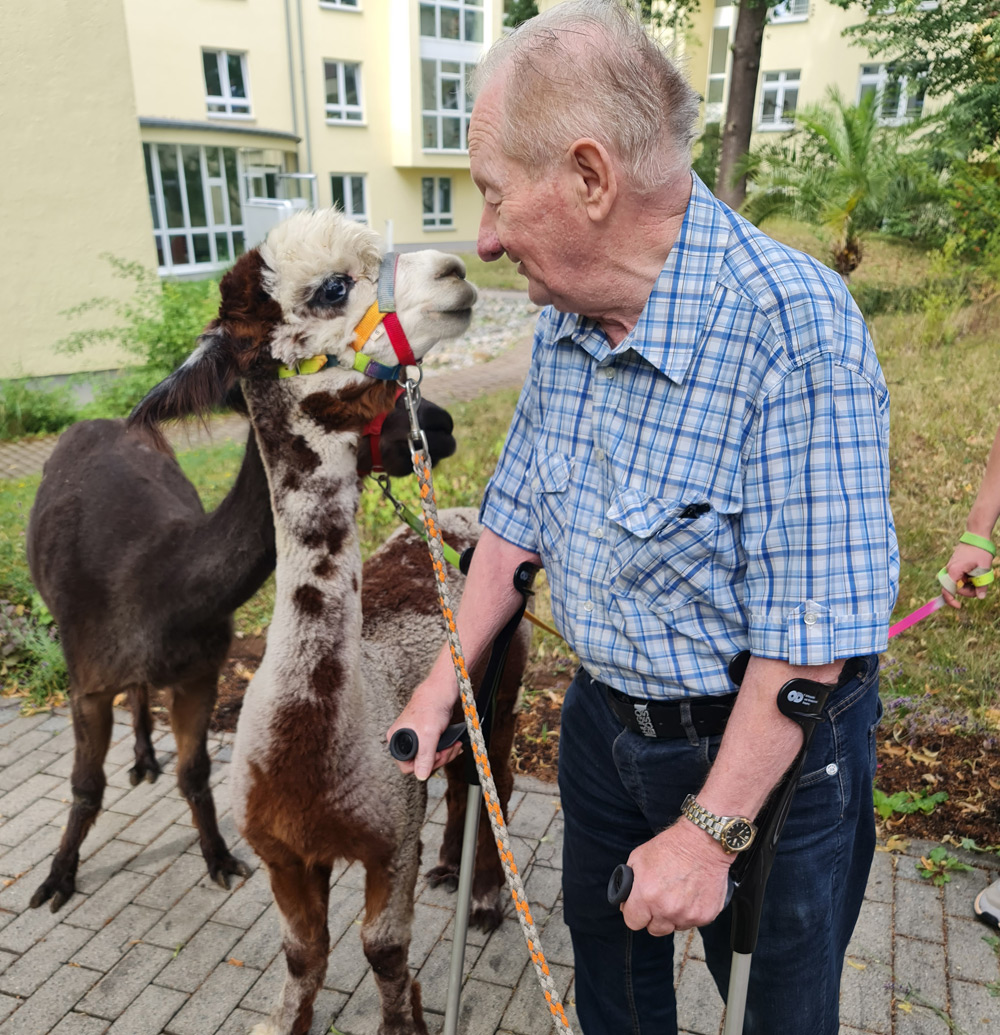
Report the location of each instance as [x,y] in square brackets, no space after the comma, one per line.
[501,274]
[938,362]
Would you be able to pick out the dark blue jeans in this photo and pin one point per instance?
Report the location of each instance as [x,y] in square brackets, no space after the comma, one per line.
[619,788]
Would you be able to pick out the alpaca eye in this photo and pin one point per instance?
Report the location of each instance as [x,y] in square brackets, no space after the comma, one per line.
[332,292]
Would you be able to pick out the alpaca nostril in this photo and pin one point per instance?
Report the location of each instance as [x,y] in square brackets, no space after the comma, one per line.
[452,266]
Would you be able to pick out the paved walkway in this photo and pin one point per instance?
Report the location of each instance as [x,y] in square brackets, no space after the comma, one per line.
[149,945]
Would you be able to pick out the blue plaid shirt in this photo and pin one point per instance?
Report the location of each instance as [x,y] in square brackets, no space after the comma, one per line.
[720,481]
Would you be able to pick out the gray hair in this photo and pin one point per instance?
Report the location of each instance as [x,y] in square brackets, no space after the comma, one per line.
[587,68]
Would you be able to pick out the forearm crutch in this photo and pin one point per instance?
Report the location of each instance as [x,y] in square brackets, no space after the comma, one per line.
[403,746]
[802,701]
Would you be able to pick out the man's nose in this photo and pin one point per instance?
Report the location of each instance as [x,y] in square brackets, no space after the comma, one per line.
[488,243]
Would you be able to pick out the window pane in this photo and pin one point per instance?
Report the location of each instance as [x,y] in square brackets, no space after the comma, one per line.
[771,77]
[474,26]
[715,89]
[788,108]
[451,134]
[427,188]
[867,90]
[179,250]
[202,248]
[451,67]
[213,84]
[236,85]
[351,84]
[449,94]
[159,251]
[768,108]
[233,187]
[337,189]
[332,86]
[428,85]
[427,23]
[870,69]
[212,161]
[150,185]
[890,99]
[449,24]
[192,178]
[170,179]
[430,131]
[218,209]
[358,195]
[222,247]
[444,193]
[720,51]
[915,103]
[237,242]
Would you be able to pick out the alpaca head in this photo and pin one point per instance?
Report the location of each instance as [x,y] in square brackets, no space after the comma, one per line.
[302,294]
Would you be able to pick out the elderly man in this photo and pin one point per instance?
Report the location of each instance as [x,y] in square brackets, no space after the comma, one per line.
[699,459]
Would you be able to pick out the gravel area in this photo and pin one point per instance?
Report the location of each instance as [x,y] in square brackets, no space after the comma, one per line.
[500,319]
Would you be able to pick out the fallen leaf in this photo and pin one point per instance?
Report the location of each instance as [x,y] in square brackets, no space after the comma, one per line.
[233,962]
[857,966]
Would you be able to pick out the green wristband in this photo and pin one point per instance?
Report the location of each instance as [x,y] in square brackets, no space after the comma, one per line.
[971,539]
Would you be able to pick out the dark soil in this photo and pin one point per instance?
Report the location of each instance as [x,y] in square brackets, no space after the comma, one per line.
[965,766]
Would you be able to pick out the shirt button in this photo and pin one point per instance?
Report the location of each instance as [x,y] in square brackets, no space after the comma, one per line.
[536,485]
[597,533]
[809,618]
[831,769]
[599,454]
[588,605]
[609,372]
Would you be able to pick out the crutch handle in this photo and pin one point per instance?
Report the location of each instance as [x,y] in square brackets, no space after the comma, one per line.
[620,885]
[404,742]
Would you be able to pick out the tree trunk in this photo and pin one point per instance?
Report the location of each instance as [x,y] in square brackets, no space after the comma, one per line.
[742,97]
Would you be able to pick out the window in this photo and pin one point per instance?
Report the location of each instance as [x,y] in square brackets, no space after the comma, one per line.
[717,64]
[790,11]
[194,196]
[343,91]
[896,99]
[779,95]
[349,195]
[226,83]
[446,104]
[347,5]
[452,20]
[437,202]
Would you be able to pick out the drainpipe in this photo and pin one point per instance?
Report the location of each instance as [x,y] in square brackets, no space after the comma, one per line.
[291,67]
[305,93]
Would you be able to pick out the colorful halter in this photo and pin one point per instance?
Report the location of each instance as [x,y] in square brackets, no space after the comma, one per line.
[381,311]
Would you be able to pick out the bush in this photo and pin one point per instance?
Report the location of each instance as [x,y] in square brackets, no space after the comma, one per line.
[34,411]
[31,658]
[708,147]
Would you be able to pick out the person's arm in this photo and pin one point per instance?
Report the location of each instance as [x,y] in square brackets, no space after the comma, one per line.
[982,517]
[489,600]
[681,874]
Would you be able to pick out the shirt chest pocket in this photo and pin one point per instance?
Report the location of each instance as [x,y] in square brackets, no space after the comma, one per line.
[666,551]
[550,475]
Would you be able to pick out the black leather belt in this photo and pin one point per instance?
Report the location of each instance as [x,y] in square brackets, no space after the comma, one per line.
[666,719]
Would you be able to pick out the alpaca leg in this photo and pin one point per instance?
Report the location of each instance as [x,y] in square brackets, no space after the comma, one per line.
[146,767]
[190,709]
[385,937]
[302,893]
[92,721]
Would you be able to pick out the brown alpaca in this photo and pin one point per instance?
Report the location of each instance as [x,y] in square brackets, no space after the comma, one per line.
[312,781]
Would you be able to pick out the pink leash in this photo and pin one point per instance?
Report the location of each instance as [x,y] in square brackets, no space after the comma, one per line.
[915,616]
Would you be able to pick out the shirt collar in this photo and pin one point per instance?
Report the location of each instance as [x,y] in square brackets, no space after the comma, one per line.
[669,326]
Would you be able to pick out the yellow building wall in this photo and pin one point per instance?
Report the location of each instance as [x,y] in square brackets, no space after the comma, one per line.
[74,185]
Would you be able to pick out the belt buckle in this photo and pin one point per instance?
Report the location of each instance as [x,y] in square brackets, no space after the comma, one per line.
[643,720]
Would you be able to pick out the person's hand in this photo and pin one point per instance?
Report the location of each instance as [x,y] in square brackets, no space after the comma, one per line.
[965,560]
[393,439]
[427,714]
[681,878]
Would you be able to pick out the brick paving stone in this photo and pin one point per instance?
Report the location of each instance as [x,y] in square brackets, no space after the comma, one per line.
[22,745]
[19,726]
[42,960]
[210,946]
[109,859]
[346,964]
[266,989]
[43,1010]
[920,1021]
[145,798]
[41,844]
[528,1012]
[109,900]
[921,965]
[918,909]
[169,845]
[262,942]
[57,722]
[534,814]
[107,826]
[872,937]
[153,820]
[246,903]
[26,792]
[32,924]
[206,1010]
[863,1000]
[179,924]
[973,1008]
[699,1005]
[8,1004]
[428,925]
[150,1012]
[969,956]
[25,768]
[111,996]
[23,825]
[542,886]
[173,883]
[239,1022]
[502,959]
[80,1024]
[433,975]
[113,940]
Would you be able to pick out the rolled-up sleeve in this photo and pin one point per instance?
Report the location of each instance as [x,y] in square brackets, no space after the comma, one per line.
[817,529]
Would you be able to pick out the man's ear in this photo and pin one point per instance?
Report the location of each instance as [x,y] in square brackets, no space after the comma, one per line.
[596,178]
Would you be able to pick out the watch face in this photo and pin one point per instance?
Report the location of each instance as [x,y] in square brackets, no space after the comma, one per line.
[738,835]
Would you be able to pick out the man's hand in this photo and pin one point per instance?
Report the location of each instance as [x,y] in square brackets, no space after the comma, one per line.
[427,714]
[681,878]
[393,445]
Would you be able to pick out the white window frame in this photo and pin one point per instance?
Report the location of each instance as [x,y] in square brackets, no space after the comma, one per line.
[785,81]
[790,11]
[350,201]
[459,6]
[438,219]
[880,79]
[162,234]
[340,5]
[339,114]
[233,107]
[439,113]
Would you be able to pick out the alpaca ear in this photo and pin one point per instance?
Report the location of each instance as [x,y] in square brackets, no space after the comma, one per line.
[203,382]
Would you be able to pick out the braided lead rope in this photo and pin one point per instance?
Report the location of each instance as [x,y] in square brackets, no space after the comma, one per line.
[422,468]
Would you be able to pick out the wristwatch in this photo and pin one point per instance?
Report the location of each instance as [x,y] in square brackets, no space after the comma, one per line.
[734,833]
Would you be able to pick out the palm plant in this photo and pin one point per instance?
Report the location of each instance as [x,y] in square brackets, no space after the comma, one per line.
[841,170]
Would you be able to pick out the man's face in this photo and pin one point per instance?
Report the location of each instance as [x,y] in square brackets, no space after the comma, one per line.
[532,220]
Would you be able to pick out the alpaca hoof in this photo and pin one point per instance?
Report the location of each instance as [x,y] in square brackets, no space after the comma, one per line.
[58,889]
[486,918]
[442,877]
[228,866]
[147,770]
